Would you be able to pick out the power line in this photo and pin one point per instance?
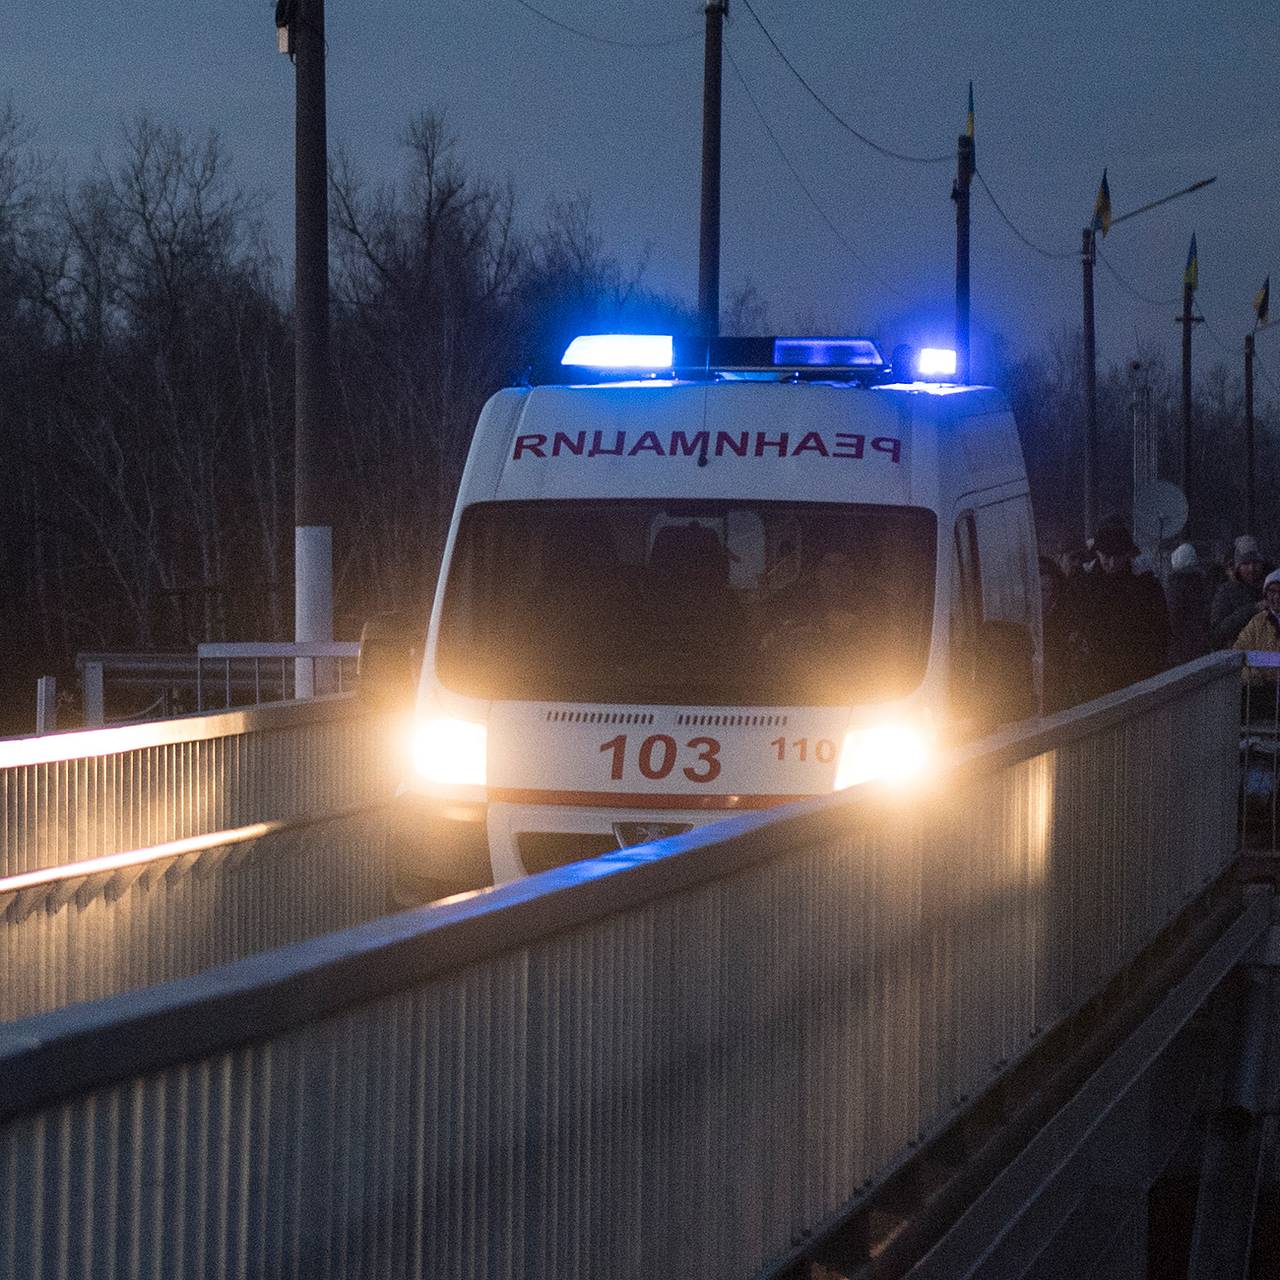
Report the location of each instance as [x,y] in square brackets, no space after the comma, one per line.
[831,111]
[1008,222]
[831,226]
[1211,331]
[609,40]
[1227,351]
[1131,288]
[1266,377]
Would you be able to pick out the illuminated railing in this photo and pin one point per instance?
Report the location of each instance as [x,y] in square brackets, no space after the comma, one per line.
[680,1059]
[72,796]
[136,854]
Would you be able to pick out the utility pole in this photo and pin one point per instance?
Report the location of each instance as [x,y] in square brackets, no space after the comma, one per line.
[709,226]
[1103,221]
[965,166]
[1090,387]
[1261,320]
[1186,323]
[1249,493]
[313,493]
[1190,280]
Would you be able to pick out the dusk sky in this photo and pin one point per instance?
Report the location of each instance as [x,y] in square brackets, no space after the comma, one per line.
[1160,93]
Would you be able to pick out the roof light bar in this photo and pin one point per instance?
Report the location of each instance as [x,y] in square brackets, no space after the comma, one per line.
[827,353]
[660,353]
[936,362]
[644,351]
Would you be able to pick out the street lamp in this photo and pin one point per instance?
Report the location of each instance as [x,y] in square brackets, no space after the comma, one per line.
[1102,221]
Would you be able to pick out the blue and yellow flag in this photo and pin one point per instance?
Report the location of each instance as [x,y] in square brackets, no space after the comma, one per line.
[1262,301]
[968,128]
[1191,276]
[1102,207]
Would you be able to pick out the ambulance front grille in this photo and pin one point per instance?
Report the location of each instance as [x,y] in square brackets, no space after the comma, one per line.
[600,717]
[544,850]
[732,721]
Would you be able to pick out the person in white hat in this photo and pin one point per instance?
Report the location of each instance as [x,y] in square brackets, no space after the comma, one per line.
[1236,599]
[1187,592]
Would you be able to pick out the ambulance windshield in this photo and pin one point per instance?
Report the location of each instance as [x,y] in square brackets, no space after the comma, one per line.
[697,603]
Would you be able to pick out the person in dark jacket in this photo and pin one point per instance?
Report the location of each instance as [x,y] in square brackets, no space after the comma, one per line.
[1187,591]
[1237,599]
[1124,618]
[1063,655]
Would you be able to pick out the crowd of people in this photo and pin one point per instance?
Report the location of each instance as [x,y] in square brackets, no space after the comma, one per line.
[1109,622]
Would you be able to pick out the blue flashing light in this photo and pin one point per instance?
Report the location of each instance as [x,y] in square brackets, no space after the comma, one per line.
[936,362]
[620,351]
[827,353]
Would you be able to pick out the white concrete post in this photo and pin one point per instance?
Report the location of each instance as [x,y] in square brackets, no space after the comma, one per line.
[313,606]
[46,704]
[91,679]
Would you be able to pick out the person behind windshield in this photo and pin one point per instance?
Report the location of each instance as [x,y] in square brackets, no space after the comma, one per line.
[697,616]
[837,630]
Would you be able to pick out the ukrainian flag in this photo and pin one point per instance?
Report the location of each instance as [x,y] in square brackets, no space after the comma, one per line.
[1262,302]
[1102,207]
[968,128]
[1191,276]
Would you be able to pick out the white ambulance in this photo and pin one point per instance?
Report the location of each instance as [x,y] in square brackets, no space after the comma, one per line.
[710,577]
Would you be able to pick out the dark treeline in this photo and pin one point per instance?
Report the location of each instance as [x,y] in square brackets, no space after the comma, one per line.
[146,388]
[1044,389]
[146,384]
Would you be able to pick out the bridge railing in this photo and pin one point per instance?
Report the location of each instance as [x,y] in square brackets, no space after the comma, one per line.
[681,1059]
[136,854]
[1260,753]
[71,796]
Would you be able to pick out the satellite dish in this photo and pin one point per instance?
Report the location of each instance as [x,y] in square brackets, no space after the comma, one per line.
[1159,512]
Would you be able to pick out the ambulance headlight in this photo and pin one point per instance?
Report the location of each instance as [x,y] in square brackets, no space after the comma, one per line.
[450,752]
[883,752]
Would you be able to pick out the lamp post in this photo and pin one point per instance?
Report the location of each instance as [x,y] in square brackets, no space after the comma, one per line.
[709,221]
[300,33]
[966,166]
[1088,254]
[1250,457]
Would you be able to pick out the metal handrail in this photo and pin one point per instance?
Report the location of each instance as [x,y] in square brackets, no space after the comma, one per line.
[198,726]
[263,996]
[171,849]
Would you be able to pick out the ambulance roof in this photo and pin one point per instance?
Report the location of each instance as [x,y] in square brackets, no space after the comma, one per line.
[750,438]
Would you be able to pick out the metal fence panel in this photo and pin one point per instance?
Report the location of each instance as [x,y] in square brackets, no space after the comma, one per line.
[1260,754]
[96,936]
[677,1060]
[68,797]
[291,795]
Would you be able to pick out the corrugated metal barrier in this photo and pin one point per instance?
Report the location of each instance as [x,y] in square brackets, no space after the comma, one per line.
[676,1060]
[1260,754]
[71,796]
[254,829]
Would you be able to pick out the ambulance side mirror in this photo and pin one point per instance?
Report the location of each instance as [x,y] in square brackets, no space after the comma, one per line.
[391,647]
[1005,674]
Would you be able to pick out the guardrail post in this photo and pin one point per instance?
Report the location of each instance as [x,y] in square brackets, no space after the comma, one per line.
[91,681]
[46,704]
